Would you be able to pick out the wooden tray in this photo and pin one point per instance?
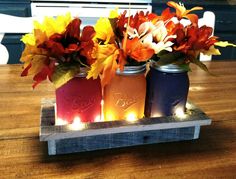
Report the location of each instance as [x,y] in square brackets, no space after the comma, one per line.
[107,135]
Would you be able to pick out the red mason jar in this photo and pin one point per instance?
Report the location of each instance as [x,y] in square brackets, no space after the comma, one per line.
[79,98]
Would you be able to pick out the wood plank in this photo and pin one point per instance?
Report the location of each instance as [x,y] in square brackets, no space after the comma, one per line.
[113,134]
[49,131]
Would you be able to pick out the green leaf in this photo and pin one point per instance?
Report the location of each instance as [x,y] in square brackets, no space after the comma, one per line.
[201,65]
[168,58]
[185,67]
[63,73]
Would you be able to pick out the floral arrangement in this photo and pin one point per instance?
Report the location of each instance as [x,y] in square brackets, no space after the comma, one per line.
[130,40]
[116,47]
[57,49]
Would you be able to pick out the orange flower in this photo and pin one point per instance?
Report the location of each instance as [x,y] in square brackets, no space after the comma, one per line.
[136,50]
[165,16]
[181,12]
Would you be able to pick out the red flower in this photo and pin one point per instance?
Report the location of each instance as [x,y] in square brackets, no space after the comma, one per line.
[63,46]
[194,39]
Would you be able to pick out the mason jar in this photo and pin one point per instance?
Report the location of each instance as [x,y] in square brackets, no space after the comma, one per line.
[167,90]
[124,96]
[79,99]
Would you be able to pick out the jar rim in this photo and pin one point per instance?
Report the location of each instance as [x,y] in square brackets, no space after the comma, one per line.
[131,70]
[83,72]
[170,68]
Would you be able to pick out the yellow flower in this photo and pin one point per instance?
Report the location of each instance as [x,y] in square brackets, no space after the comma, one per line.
[49,26]
[104,31]
[28,39]
[114,13]
[52,25]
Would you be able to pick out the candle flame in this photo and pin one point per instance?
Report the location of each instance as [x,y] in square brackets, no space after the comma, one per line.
[110,116]
[77,124]
[189,106]
[179,112]
[131,117]
[98,119]
[60,122]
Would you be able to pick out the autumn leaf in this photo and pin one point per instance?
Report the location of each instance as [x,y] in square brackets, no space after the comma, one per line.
[212,51]
[28,39]
[104,31]
[224,44]
[105,64]
[51,25]
[35,57]
[63,73]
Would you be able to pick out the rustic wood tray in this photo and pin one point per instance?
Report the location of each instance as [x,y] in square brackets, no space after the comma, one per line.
[106,135]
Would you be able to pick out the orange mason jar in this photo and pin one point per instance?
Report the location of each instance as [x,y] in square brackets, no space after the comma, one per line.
[124,96]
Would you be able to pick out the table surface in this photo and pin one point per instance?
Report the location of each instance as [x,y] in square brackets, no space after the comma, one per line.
[22,155]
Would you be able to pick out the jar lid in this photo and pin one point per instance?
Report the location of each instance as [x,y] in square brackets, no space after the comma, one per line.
[170,68]
[131,70]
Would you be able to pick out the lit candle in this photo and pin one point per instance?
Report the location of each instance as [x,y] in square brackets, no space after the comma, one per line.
[77,124]
[179,112]
[79,97]
[125,95]
[131,117]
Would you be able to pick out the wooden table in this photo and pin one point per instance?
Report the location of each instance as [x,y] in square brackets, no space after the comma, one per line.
[22,155]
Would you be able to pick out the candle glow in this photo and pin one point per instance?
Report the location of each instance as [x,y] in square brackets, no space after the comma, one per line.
[60,122]
[188,106]
[98,119]
[110,116]
[77,124]
[179,112]
[131,117]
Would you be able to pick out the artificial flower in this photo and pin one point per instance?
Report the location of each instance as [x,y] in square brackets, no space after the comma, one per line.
[115,44]
[182,12]
[138,51]
[56,49]
[104,31]
[105,64]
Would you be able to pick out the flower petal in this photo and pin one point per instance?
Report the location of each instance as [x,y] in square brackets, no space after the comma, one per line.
[138,51]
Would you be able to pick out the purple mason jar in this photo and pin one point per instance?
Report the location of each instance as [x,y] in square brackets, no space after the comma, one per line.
[167,90]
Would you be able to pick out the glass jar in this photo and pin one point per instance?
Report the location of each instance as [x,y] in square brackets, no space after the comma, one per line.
[124,96]
[79,99]
[167,90]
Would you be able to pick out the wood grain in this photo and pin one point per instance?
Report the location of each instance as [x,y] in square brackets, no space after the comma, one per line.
[22,155]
